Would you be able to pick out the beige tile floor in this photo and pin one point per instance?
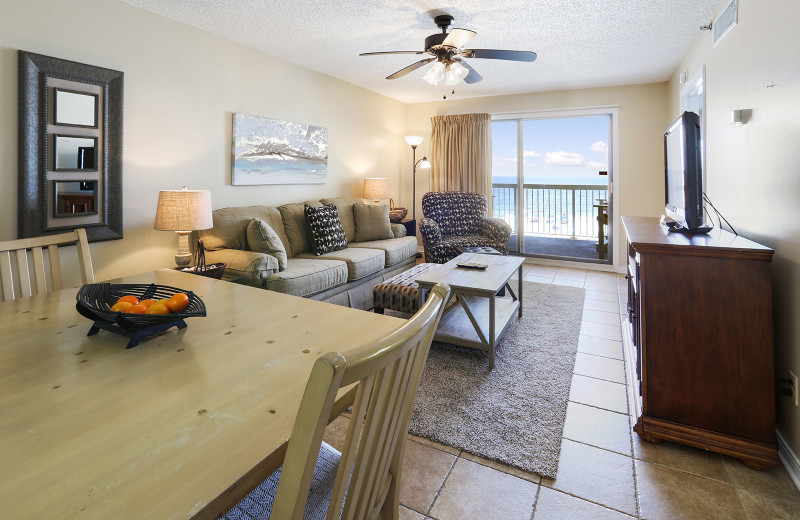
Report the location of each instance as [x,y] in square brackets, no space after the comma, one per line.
[604,471]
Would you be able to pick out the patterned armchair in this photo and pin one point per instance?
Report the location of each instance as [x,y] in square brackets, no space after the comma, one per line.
[456,219]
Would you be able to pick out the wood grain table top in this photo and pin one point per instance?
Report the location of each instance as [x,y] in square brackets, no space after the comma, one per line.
[91,430]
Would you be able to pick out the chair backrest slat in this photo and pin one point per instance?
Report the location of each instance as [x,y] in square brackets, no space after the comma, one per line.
[39,270]
[24,275]
[387,372]
[85,257]
[35,281]
[6,275]
[349,451]
[55,266]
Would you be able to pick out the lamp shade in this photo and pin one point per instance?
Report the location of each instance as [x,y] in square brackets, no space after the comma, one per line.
[183,210]
[376,188]
[414,140]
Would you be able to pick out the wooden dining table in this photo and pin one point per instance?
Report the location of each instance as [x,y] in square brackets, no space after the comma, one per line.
[182,425]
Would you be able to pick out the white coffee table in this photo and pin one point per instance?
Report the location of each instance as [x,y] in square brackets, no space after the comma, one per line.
[480,317]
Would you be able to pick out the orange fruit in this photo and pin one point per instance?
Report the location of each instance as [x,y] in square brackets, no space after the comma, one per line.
[147,303]
[133,300]
[178,302]
[121,306]
[157,308]
[136,309]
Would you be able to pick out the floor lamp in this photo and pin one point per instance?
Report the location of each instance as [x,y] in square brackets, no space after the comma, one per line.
[414,141]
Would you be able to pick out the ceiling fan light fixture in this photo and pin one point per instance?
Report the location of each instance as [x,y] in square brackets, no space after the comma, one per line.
[435,74]
[455,73]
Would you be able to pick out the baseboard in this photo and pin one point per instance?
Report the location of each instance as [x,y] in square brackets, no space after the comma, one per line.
[589,266]
[789,459]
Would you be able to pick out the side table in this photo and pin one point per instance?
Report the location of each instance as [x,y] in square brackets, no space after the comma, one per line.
[411,227]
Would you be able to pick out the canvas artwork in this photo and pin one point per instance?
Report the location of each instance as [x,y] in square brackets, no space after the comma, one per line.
[269,151]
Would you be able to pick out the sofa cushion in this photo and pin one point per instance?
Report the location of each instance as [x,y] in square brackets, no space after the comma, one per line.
[344,205]
[326,229]
[307,276]
[396,249]
[296,227]
[230,227]
[372,222]
[360,262]
[263,239]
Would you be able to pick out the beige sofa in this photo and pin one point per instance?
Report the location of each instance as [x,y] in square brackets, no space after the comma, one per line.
[342,277]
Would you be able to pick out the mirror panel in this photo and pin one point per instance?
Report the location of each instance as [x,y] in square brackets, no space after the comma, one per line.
[75,198]
[75,108]
[75,153]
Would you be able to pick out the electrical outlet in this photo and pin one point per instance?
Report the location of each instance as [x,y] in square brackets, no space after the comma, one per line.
[795,390]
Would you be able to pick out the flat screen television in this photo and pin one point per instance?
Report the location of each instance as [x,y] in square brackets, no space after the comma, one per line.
[684,174]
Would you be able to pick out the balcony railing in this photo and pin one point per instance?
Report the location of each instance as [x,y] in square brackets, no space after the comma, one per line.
[550,209]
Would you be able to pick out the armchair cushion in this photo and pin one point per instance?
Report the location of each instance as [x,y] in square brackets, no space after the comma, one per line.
[447,249]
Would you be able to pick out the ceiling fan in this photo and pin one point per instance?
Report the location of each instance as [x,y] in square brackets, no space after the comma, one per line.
[448,52]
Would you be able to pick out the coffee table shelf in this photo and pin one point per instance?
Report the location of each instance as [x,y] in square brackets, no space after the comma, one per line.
[456,327]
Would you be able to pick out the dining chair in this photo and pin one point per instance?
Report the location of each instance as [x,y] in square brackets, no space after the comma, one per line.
[14,253]
[363,481]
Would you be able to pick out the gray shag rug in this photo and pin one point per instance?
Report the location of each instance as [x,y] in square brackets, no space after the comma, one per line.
[515,413]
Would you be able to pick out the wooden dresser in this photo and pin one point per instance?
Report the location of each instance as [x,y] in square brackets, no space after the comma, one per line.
[699,340]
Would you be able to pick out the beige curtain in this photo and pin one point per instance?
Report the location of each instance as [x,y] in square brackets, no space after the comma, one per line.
[461,154]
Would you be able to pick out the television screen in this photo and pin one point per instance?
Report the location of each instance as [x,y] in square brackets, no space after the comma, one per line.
[683,172]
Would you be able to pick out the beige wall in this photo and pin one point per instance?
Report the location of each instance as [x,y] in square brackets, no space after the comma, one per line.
[643,115]
[181,87]
[753,171]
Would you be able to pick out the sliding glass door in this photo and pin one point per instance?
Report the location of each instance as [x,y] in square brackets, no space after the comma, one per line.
[551,183]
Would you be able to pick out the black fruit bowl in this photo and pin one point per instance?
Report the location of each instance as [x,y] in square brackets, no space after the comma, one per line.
[95,301]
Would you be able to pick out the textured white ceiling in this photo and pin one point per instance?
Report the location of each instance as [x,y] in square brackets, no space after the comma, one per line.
[580,43]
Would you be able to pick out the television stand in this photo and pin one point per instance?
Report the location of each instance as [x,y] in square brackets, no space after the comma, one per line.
[698,341]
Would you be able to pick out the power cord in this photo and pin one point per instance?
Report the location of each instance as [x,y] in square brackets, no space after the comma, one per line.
[720,218]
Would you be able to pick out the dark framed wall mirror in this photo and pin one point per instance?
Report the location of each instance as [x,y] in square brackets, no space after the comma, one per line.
[70,148]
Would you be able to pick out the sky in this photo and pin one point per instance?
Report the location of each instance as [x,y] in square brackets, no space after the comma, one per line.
[553,149]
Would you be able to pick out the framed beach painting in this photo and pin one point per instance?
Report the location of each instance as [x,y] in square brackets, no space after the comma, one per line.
[270,151]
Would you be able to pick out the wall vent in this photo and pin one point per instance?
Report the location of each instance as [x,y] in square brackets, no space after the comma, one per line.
[726,21]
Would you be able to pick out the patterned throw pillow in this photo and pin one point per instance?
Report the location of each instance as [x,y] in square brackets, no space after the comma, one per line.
[326,229]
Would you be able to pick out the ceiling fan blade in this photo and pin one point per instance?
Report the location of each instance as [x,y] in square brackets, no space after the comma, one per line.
[473,76]
[410,68]
[457,38]
[390,52]
[497,54]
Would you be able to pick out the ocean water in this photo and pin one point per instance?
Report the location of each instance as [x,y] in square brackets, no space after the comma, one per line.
[559,212]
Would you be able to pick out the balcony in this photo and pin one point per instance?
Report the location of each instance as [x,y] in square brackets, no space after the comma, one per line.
[559,220]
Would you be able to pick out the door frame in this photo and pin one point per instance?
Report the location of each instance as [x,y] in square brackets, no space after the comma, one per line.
[613,168]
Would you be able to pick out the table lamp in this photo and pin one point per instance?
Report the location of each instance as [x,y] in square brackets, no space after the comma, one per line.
[183,211]
[376,188]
